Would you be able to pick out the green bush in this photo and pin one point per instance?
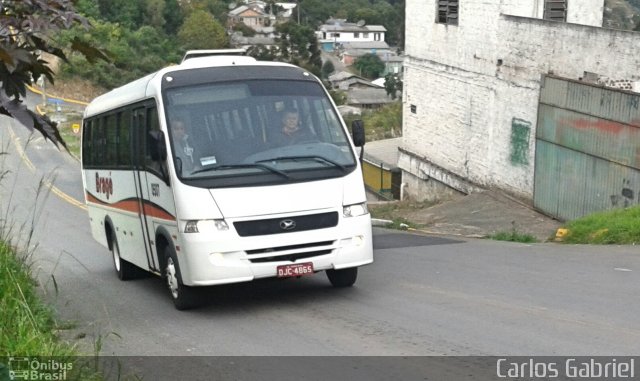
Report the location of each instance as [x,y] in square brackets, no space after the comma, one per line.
[618,226]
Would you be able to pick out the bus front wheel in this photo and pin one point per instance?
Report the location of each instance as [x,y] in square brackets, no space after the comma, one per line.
[183,297]
[343,278]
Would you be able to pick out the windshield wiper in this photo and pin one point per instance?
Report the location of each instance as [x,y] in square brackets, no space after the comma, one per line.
[308,157]
[234,166]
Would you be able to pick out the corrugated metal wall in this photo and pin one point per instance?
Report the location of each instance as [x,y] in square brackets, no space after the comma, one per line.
[587,149]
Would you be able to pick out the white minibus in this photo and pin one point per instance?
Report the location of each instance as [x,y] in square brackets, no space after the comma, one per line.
[225,169]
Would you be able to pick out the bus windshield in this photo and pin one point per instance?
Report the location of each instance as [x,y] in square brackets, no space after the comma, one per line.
[246,132]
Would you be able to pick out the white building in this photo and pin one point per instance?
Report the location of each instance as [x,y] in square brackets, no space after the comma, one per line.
[473,72]
[337,31]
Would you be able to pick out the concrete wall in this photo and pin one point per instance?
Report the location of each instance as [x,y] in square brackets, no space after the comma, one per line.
[471,91]
[585,12]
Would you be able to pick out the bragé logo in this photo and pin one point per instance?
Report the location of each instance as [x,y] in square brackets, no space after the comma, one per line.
[104,185]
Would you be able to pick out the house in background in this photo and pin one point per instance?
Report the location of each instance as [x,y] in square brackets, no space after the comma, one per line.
[252,15]
[287,12]
[350,51]
[339,31]
[368,98]
[255,14]
[473,75]
[393,64]
[345,81]
[350,41]
[361,93]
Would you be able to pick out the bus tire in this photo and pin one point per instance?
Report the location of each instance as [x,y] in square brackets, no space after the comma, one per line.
[343,278]
[184,297]
[124,269]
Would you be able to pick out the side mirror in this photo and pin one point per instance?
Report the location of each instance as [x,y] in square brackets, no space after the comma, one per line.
[157,146]
[357,131]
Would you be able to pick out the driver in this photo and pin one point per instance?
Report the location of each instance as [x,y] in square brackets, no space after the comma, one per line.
[291,132]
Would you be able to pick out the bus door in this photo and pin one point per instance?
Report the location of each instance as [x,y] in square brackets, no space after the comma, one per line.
[148,177]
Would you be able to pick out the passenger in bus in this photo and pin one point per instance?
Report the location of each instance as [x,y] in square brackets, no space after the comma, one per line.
[182,145]
[291,131]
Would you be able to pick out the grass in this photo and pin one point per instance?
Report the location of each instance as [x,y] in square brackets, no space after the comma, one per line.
[28,327]
[618,226]
[513,236]
[28,324]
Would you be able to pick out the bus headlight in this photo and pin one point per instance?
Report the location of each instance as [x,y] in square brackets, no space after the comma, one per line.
[355,210]
[205,226]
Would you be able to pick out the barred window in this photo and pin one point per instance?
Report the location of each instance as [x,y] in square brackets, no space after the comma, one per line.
[448,12]
[555,10]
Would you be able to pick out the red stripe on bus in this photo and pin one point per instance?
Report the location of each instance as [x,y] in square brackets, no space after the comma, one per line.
[153,211]
[133,206]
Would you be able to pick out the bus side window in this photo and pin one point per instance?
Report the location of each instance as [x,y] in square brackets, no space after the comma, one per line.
[111,136]
[98,137]
[152,125]
[87,147]
[124,139]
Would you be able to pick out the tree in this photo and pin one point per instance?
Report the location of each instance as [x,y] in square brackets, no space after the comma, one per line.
[88,8]
[369,65]
[338,96]
[173,17]
[245,29]
[262,53]
[327,69]
[299,46]
[27,29]
[125,12]
[154,13]
[201,31]
[134,53]
[217,8]
[392,84]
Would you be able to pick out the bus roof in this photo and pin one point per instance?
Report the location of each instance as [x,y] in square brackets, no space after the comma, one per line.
[213,52]
[149,85]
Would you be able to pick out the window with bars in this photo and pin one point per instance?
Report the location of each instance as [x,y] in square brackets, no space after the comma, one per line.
[555,10]
[448,12]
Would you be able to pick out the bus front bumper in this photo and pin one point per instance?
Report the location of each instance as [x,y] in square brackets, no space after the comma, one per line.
[234,259]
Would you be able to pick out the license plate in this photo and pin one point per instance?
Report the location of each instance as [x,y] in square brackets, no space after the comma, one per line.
[296,269]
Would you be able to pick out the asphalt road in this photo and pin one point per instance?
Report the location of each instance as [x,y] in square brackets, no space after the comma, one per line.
[423,296]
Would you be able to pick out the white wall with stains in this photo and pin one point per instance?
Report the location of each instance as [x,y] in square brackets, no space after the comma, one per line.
[471,91]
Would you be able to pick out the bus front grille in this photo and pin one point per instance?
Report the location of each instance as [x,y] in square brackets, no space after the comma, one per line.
[290,257]
[290,247]
[286,224]
[291,252]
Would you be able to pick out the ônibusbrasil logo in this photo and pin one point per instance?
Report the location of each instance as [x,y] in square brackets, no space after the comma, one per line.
[32,369]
